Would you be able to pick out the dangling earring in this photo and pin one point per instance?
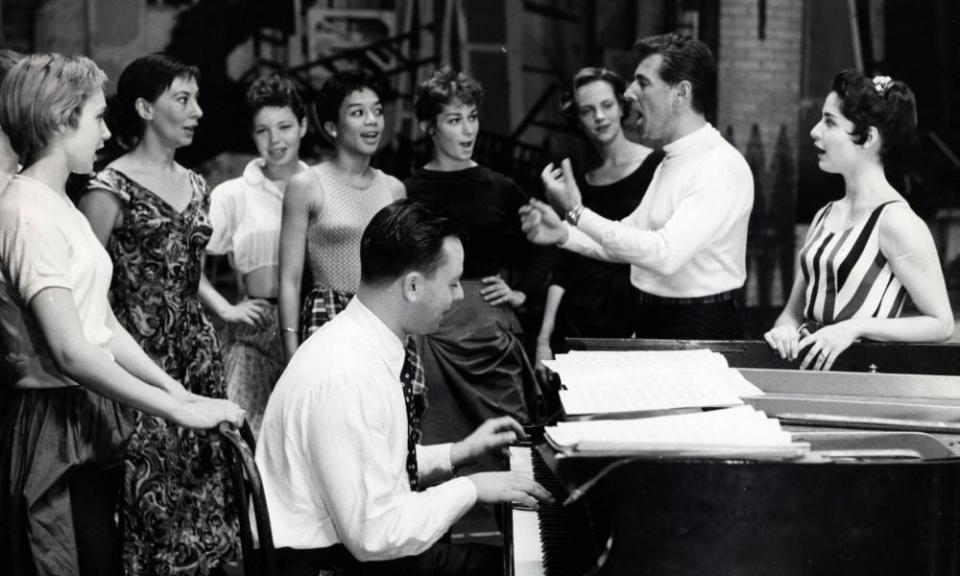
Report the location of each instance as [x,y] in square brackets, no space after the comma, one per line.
[333,133]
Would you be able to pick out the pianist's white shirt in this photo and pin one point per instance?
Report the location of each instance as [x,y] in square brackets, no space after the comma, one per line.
[333,446]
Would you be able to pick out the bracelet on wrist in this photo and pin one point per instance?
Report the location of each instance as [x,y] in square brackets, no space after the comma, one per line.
[573,215]
[289,329]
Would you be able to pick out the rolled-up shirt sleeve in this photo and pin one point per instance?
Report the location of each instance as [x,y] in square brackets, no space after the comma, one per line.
[363,484]
[434,463]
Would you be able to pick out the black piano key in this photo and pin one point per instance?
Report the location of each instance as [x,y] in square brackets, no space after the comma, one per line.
[568,539]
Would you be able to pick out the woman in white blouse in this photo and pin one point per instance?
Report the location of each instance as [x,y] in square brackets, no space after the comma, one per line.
[245,213]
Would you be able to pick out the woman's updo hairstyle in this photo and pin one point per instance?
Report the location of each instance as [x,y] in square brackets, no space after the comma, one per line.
[569,107]
[889,105]
[147,77]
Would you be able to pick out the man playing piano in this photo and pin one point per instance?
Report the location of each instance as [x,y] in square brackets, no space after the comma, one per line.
[346,483]
[686,241]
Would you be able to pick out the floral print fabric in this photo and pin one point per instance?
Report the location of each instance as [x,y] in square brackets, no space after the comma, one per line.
[175,509]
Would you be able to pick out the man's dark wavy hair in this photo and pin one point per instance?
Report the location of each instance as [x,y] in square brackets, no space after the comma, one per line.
[685,58]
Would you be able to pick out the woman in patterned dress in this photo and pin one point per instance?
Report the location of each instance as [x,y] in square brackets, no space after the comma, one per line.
[151,214]
[327,207]
[245,213]
[868,251]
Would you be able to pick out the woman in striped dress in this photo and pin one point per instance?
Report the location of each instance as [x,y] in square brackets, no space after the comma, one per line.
[867,252]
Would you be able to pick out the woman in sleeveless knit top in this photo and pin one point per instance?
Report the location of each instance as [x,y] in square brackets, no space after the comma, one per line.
[327,207]
[867,252]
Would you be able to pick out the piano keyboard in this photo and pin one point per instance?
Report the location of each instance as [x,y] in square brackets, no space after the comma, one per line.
[527,553]
[556,539]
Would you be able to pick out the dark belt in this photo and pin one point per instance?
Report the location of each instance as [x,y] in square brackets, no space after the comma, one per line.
[646,298]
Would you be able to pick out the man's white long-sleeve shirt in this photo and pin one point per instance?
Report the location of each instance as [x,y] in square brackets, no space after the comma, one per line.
[688,236]
[333,447]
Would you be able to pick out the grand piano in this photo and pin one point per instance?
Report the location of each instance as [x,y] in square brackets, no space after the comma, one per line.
[886,502]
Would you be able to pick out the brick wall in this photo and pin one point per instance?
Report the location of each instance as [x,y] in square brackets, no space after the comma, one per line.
[759,96]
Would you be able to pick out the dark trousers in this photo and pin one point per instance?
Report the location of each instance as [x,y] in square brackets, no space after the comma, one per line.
[93,498]
[440,560]
[696,321]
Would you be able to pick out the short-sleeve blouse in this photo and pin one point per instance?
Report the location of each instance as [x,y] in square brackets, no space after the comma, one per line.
[46,242]
[245,213]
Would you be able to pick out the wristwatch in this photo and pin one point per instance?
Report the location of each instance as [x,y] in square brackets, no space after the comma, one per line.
[573,215]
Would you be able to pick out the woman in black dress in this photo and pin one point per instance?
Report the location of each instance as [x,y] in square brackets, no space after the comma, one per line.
[590,298]
[475,366]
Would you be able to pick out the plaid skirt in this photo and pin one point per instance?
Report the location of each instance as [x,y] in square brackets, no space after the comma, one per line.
[319,307]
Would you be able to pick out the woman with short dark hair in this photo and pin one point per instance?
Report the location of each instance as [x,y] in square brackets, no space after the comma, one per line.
[326,207]
[589,298]
[475,366]
[868,251]
[151,214]
[245,213]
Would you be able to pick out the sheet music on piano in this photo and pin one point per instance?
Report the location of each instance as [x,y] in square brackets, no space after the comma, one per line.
[824,512]
[742,431]
[608,382]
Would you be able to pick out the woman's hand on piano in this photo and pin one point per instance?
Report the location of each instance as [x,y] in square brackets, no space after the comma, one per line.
[509,487]
[784,340]
[825,345]
[494,434]
[544,352]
